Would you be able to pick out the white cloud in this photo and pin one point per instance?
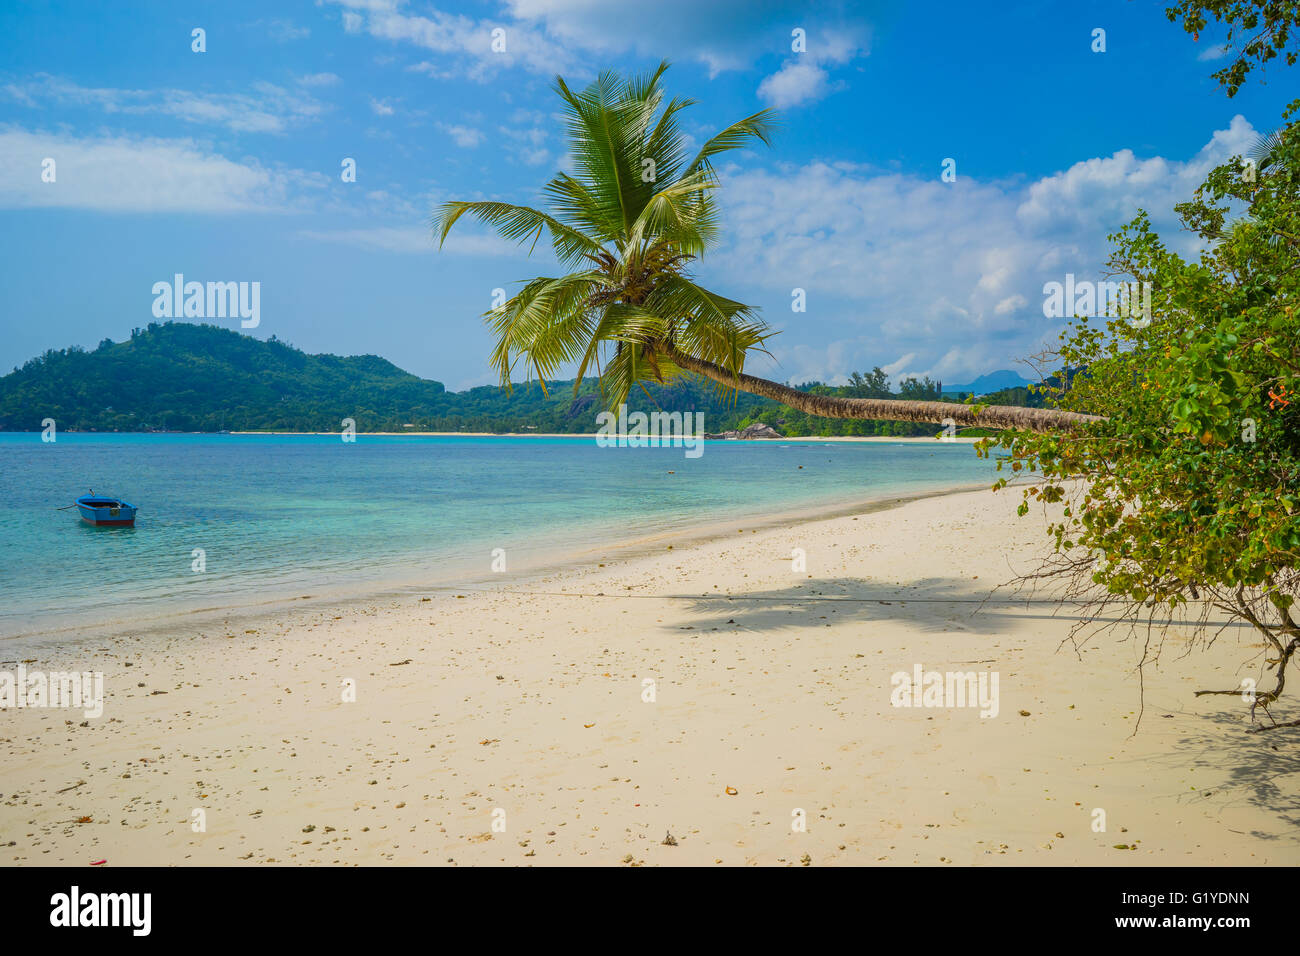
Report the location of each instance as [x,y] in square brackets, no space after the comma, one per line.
[1213,53]
[803,77]
[319,79]
[123,174]
[266,109]
[1010,304]
[1097,192]
[466,137]
[721,34]
[470,41]
[797,81]
[798,364]
[526,144]
[572,36]
[532,157]
[897,263]
[898,365]
[283,31]
[432,70]
[413,240]
[380,108]
[20,95]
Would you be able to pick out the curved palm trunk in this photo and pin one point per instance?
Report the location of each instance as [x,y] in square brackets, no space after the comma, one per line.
[887,409]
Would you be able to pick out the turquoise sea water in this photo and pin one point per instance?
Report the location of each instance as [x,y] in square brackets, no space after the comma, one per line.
[293,515]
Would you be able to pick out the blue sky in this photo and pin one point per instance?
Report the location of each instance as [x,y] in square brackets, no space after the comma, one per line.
[225,165]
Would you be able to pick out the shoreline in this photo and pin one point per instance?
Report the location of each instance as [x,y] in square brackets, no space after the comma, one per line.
[268,606]
[707,691]
[909,439]
[878,439]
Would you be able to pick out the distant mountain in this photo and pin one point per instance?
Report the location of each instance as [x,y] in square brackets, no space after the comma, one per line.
[990,382]
[186,377]
[179,376]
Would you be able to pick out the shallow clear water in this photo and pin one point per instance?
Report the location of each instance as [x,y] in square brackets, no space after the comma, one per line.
[287,515]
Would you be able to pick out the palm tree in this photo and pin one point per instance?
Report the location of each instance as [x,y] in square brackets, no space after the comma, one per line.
[638,213]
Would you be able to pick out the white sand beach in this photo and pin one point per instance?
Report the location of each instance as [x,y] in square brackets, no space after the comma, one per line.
[526,705]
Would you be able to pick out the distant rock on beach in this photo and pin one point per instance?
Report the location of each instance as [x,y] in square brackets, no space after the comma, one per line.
[756,430]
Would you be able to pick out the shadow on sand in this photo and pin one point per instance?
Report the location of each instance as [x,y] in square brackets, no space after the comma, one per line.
[1260,770]
[933,604]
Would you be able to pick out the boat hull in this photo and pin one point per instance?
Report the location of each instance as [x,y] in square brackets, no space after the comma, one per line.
[110,522]
[106,512]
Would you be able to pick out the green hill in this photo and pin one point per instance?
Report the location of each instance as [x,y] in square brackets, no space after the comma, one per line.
[180,376]
[188,377]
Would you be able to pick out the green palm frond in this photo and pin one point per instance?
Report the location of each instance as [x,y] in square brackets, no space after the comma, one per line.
[517,223]
[578,207]
[630,219]
[600,126]
[629,366]
[623,327]
[681,213]
[707,325]
[664,146]
[547,323]
[759,126]
[1266,149]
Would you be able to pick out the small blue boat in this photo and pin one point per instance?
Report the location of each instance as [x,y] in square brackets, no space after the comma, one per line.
[103,510]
